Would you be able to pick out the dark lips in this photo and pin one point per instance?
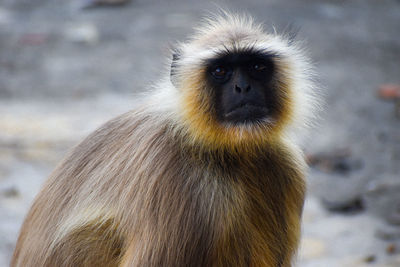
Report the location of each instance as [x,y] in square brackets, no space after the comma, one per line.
[246,113]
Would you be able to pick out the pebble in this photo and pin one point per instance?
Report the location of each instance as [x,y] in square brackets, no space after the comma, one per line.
[311,248]
[391,249]
[370,258]
[10,192]
[86,33]
[389,91]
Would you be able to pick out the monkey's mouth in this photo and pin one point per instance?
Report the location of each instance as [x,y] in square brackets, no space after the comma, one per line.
[246,113]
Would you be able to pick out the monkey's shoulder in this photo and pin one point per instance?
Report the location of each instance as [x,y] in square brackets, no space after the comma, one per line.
[127,132]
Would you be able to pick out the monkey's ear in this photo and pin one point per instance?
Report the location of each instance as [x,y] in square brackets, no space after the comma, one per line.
[176,55]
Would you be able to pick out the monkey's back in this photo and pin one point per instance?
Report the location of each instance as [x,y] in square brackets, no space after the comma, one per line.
[135,194]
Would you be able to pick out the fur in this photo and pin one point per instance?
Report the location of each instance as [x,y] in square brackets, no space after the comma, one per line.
[166,185]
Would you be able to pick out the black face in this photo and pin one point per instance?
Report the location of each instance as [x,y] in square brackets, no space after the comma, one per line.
[242,84]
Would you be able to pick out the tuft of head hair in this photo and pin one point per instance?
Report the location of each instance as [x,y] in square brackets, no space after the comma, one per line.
[231,33]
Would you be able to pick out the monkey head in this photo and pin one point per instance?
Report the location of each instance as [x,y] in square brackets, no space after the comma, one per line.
[238,85]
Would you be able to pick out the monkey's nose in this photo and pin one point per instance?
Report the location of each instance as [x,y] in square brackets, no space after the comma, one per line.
[242,89]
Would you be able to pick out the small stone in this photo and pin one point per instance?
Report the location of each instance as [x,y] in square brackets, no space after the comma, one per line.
[311,248]
[11,192]
[92,3]
[370,258]
[33,39]
[339,161]
[391,249]
[82,33]
[389,91]
[350,207]
[388,232]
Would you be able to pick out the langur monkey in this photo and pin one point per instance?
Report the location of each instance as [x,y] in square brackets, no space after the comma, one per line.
[203,173]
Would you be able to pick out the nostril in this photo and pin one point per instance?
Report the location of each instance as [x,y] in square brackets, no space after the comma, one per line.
[247,89]
[238,89]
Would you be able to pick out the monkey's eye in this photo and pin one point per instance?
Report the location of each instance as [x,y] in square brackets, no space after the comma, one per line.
[259,67]
[219,72]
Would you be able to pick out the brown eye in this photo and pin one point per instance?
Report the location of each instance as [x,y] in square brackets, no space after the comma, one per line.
[219,72]
[259,67]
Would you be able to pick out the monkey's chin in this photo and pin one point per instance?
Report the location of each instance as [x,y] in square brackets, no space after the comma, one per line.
[247,114]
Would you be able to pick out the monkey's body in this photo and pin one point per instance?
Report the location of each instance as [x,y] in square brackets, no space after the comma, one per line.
[169,184]
[191,214]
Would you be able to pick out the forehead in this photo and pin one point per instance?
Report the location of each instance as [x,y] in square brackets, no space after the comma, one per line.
[217,38]
[229,40]
[231,45]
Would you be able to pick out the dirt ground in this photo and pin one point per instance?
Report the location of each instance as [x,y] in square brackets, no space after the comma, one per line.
[65,70]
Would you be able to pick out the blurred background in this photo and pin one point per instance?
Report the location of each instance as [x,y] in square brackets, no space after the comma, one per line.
[68,66]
